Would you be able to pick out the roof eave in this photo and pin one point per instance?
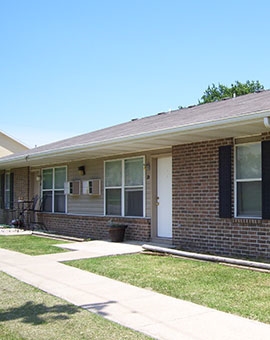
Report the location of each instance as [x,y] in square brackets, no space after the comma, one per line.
[198,128]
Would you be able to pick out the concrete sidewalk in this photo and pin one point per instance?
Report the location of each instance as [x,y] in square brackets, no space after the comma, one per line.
[154,314]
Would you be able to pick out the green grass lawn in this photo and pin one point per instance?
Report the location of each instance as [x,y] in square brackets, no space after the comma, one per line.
[31,245]
[237,291]
[27,313]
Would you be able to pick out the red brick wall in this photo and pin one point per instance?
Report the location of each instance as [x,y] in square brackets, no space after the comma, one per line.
[95,227]
[196,222]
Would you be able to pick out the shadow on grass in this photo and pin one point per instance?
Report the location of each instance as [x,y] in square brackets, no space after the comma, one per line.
[38,313]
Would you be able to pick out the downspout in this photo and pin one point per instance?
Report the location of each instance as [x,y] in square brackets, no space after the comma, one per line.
[205,257]
[266,122]
[28,183]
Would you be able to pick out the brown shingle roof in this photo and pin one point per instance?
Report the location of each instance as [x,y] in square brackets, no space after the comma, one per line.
[186,117]
[251,103]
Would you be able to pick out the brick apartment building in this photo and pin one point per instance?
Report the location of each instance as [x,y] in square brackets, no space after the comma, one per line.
[197,178]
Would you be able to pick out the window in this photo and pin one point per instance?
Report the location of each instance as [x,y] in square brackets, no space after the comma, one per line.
[7,190]
[248,183]
[124,187]
[54,199]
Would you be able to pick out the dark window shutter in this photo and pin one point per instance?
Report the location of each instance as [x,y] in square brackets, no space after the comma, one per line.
[266,179]
[11,190]
[225,181]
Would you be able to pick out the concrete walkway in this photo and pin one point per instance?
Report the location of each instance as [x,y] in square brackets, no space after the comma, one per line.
[154,314]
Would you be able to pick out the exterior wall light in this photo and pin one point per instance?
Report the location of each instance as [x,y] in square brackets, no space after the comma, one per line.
[81,170]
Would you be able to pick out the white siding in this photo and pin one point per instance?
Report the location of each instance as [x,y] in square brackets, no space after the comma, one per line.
[94,169]
[86,204]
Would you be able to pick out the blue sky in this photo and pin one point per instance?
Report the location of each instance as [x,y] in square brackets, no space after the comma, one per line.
[69,67]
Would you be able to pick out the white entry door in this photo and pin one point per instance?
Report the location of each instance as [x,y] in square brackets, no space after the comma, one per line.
[164,197]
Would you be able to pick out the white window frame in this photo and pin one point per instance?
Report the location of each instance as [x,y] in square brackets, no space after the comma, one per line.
[236,181]
[53,190]
[123,187]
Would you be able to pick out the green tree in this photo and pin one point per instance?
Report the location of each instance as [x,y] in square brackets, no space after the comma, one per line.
[214,93]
